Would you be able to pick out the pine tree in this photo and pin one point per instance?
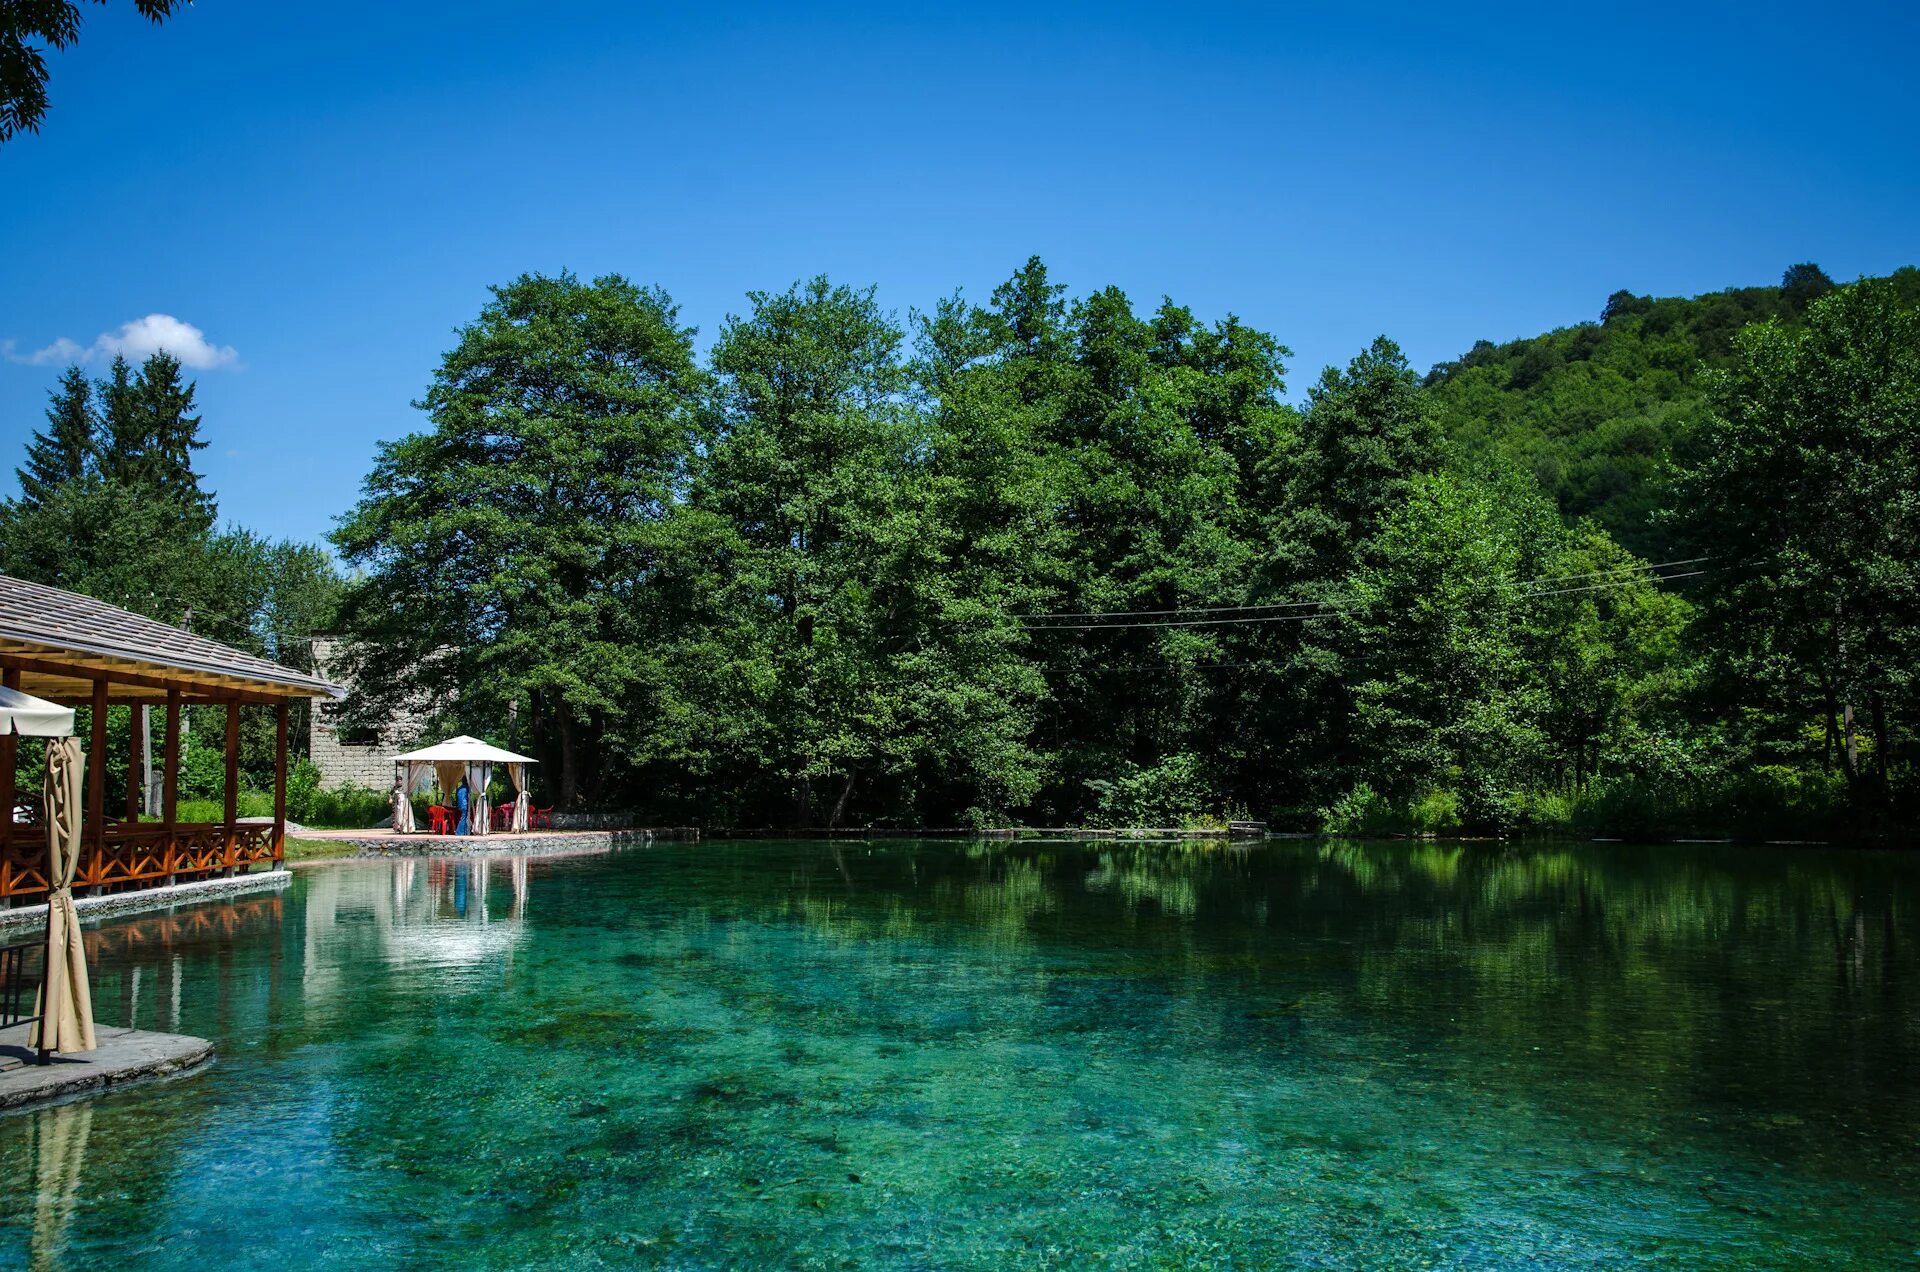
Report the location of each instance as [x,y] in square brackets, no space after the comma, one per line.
[172,433]
[151,432]
[122,431]
[63,452]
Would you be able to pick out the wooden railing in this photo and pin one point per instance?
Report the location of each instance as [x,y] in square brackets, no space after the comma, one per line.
[138,855]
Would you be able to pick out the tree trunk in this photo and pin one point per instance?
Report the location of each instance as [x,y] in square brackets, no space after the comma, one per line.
[1832,732]
[840,805]
[1853,744]
[1880,748]
[569,767]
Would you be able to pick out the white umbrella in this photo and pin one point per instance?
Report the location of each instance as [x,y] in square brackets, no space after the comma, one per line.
[31,717]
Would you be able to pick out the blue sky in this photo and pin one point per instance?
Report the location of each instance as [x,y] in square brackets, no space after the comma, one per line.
[325,191]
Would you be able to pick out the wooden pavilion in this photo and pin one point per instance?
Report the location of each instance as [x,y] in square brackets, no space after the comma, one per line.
[74,650]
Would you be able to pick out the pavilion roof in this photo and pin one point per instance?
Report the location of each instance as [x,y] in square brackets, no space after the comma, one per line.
[61,640]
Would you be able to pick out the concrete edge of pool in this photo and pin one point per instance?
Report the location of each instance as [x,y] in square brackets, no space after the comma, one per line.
[123,1058]
[179,894]
[379,842]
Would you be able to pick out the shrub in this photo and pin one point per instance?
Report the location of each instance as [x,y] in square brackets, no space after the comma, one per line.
[203,771]
[1364,811]
[1174,792]
[250,804]
[349,807]
[303,788]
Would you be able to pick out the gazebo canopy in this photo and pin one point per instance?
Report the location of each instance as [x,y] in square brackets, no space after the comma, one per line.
[457,760]
[26,716]
[463,750]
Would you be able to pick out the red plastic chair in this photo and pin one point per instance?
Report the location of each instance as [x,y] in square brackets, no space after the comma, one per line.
[440,820]
[502,816]
[538,817]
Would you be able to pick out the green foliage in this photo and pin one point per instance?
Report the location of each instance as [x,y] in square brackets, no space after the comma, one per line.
[1802,485]
[303,790]
[250,804]
[342,808]
[203,770]
[1595,411]
[27,31]
[523,551]
[1064,561]
[110,506]
[1364,811]
[1177,791]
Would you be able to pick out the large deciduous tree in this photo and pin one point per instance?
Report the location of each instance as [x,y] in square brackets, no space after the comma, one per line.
[1804,486]
[510,554]
[849,682]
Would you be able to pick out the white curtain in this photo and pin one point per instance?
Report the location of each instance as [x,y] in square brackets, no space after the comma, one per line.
[522,804]
[480,812]
[66,1003]
[403,797]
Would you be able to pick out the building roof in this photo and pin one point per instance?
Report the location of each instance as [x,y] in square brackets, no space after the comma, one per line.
[62,640]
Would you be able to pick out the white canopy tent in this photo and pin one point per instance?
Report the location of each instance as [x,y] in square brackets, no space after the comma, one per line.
[65,1021]
[450,761]
[26,716]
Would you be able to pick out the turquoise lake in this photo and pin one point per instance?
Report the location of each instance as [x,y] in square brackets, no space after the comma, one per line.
[904,1054]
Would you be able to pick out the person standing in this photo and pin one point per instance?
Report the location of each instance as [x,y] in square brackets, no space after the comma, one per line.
[460,798]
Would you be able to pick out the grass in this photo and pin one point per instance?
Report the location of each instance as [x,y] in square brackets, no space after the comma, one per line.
[318,849]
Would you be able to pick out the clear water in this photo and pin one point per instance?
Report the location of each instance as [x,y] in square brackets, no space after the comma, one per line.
[950,1055]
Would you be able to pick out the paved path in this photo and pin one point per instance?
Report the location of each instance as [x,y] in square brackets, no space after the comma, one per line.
[123,1056]
[390,844]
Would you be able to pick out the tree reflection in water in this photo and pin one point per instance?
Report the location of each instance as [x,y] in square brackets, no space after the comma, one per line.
[999,1053]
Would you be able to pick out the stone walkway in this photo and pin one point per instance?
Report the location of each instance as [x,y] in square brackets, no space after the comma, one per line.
[387,843]
[124,1056]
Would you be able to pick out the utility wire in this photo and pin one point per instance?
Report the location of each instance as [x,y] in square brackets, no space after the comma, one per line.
[1636,570]
[1329,609]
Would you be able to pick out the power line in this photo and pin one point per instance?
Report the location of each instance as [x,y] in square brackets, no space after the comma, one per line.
[1330,610]
[1636,570]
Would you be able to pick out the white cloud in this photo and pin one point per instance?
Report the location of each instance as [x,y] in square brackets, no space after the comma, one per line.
[135,341]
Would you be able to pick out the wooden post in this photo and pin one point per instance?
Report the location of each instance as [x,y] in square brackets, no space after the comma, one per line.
[96,788]
[233,784]
[170,782]
[9,757]
[279,782]
[136,757]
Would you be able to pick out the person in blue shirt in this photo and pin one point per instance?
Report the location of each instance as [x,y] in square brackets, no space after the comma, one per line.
[460,803]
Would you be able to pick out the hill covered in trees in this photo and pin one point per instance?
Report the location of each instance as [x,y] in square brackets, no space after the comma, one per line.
[1593,411]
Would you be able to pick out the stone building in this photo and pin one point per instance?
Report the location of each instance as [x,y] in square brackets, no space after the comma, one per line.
[352,756]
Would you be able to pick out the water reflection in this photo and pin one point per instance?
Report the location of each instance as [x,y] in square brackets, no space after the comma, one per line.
[999,1054]
[57,1147]
[442,912]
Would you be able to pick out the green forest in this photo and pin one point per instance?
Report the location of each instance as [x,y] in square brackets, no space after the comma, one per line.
[1060,559]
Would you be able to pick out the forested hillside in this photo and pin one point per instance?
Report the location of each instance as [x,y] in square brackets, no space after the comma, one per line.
[1594,410]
